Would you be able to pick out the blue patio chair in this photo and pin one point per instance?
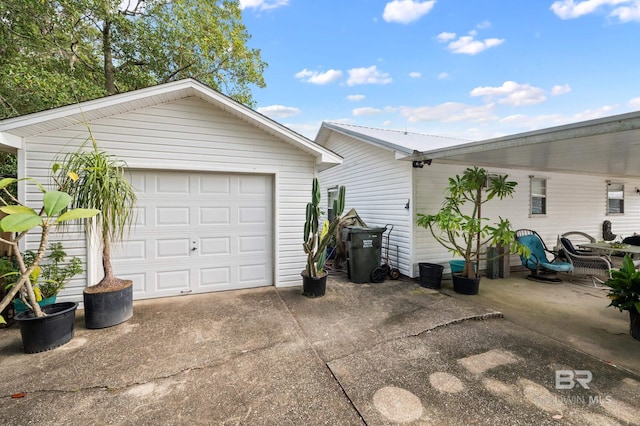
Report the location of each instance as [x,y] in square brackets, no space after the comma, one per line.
[542,269]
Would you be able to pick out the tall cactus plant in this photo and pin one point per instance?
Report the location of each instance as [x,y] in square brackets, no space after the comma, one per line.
[316,238]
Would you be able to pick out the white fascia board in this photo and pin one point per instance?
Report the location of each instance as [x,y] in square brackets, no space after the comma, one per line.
[9,142]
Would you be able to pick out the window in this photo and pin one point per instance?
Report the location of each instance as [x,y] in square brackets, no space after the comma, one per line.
[615,198]
[538,196]
[332,194]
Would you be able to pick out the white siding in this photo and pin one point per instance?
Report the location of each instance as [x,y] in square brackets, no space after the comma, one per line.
[574,203]
[378,187]
[190,134]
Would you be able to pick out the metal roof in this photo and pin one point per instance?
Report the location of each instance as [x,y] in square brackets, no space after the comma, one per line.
[403,142]
[12,130]
[608,146]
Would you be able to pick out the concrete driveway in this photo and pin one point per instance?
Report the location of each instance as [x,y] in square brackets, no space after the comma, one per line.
[376,354]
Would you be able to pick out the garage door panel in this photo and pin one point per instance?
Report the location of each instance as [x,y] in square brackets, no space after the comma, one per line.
[215,184]
[129,251]
[215,216]
[173,184]
[173,279]
[253,185]
[210,278]
[215,246]
[226,218]
[252,244]
[172,216]
[173,248]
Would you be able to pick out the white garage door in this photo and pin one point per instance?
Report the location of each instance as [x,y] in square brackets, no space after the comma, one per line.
[198,232]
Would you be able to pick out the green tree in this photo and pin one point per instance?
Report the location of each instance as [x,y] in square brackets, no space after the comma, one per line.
[55,53]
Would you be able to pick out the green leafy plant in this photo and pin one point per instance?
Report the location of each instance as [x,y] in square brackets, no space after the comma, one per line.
[459,226]
[20,220]
[56,272]
[624,286]
[316,238]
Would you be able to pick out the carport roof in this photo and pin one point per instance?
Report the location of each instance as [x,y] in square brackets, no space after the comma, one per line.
[12,130]
[608,146]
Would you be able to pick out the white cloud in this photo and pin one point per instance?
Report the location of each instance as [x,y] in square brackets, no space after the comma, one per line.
[628,13]
[449,112]
[369,75]
[278,111]
[443,75]
[591,114]
[315,77]
[560,90]
[571,9]
[406,11]
[444,37]
[468,45]
[359,112]
[512,93]
[415,74]
[355,98]
[484,24]
[262,4]
[634,103]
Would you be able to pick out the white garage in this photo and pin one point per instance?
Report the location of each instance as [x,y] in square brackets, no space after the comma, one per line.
[221,188]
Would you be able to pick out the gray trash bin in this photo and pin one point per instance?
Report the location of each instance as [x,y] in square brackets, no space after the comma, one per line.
[364,249]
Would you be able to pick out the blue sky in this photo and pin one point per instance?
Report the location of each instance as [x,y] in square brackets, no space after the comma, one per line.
[463,68]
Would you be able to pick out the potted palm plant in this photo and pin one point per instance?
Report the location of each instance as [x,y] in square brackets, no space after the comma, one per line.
[317,239]
[624,293]
[101,184]
[47,327]
[460,227]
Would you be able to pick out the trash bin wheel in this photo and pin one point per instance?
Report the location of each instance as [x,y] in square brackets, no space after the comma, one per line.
[394,274]
[378,274]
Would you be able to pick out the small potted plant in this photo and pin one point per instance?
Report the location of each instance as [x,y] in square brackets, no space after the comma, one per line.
[50,326]
[51,276]
[460,227]
[317,239]
[624,293]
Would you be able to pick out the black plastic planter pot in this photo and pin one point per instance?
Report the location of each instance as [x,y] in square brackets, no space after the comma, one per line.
[464,285]
[314,287]
[430,275]
[48,332]
[106,309]
[634,323]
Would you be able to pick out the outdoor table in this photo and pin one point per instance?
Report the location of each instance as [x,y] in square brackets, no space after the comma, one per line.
[609,249]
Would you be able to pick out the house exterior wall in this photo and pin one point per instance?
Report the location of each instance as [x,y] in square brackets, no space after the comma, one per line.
[574,203]
[378,187]
[190,135]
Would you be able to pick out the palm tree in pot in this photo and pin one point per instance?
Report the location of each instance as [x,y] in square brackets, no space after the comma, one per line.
[317,239]
[460,228]
[101,183]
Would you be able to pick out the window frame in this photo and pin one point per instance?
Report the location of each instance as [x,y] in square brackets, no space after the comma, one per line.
[620,209]
[544,196]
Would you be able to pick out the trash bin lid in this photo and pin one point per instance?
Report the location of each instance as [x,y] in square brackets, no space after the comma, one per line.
[364,229]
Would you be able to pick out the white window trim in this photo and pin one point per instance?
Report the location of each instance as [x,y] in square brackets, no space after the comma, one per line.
[546,196]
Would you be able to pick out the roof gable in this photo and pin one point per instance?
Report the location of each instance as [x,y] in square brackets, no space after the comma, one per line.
[13,129]
[402,142]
